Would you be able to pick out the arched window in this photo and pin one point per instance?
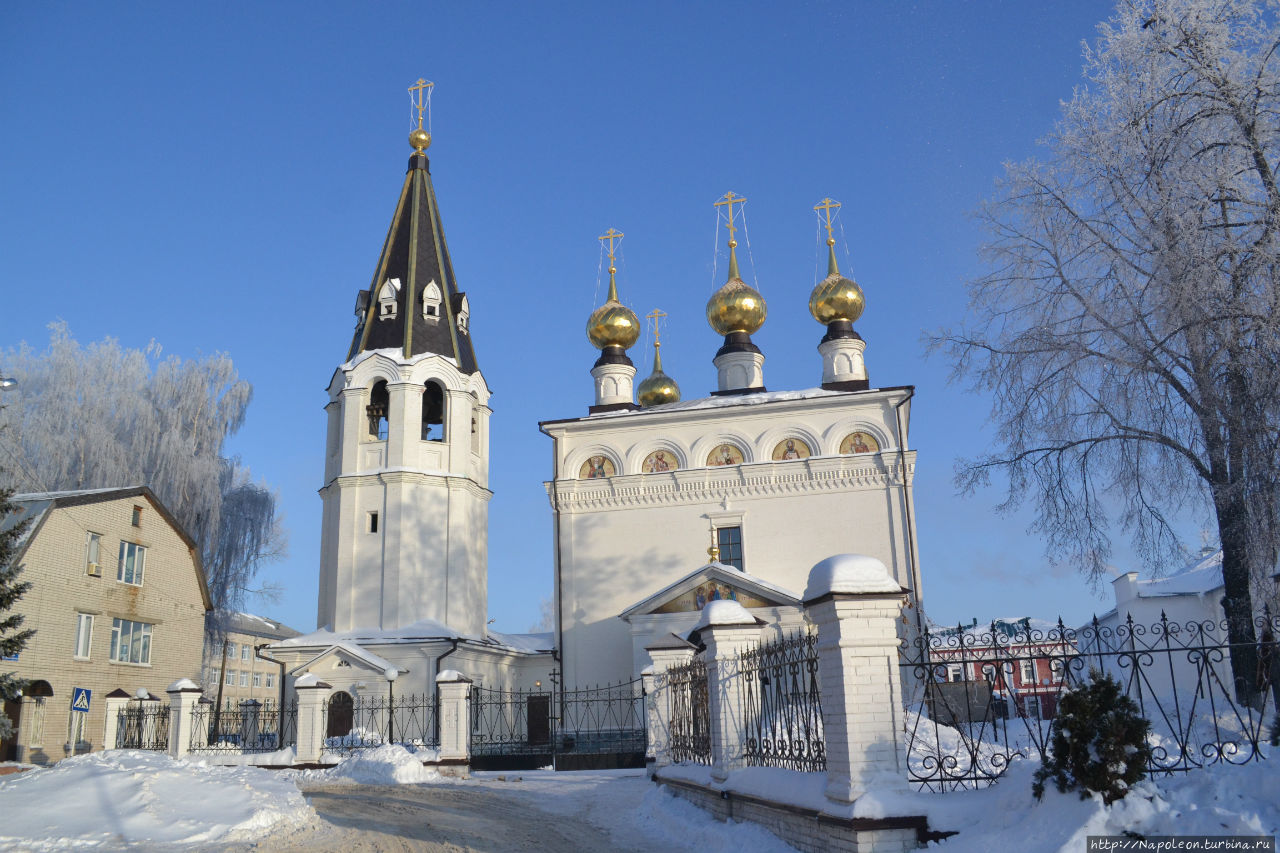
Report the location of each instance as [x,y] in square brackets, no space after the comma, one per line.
[341,711]
[379,401]
[387,295]
[433,412]
[464,315]
[431,298]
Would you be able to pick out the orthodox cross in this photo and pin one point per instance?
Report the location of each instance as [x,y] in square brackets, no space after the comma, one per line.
[423,104]
[656,316]
[611,235]
[730,199]
[826,206]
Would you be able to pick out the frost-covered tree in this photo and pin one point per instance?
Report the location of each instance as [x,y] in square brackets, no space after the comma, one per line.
[101,416]
[13,637]
[1128,329]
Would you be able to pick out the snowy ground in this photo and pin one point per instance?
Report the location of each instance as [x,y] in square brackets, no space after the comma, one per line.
[384,799]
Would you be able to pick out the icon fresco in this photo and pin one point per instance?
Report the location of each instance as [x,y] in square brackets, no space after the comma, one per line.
[725,454]
[659,461]
[791,448]
[859,442]
[596,468]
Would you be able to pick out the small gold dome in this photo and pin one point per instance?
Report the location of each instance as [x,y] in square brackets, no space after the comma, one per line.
[736,307]
[836,298]
[613,324]
[420,140]
[658,387]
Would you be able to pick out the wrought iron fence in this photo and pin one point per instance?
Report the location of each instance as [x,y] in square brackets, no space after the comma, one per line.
[143,725]
[363,722]
[690,733]
[244,727]
[978,699]
[551,725]
[781,704]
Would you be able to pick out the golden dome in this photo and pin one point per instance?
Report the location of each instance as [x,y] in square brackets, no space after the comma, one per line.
[836,298]
[419,140]
[736,307]
[613,324]
[658,387]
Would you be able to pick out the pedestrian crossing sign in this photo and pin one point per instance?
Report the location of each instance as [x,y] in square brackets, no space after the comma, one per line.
[80,698]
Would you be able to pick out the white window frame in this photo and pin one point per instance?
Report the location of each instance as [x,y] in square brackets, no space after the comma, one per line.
[139,563]
[233,650]
[246,653]
[93,554]
[1027,671]
[244,678]
[431,299]
[955,672]
[230,679]
[84,637]
[257,679]
[141,642]
[271,680]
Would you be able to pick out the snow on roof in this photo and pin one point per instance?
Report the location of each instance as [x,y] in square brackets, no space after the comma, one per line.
[1201,575]
[537,642]
[1006,628]
[259,626]
[728,401]
[423,629]
[70,493]
[725,572]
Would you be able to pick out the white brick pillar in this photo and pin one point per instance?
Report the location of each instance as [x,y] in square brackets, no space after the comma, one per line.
[667,653]
[856,605]
[184,695]
[250,714]
[312,696]
[727,629]
[404,421]
[116,702]
[455,715]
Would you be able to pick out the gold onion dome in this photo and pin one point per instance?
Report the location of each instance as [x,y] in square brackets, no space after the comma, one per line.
[836,298]
[658,387]
[613,324]
[736,306]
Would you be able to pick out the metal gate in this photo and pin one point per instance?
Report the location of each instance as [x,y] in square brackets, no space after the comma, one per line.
[592,729]
[143,726]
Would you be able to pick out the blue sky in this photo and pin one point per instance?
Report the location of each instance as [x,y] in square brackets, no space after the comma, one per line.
[220,177]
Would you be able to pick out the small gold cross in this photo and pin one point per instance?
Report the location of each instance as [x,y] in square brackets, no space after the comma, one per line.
[827,205]
[611,235]
[730,199]
[656,315]
[421,87]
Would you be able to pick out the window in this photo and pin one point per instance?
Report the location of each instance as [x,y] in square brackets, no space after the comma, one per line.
[137,516]
[729,540]
[1032,705]
[379,403]
[271,680]
[433,412]
[244,678]
[37,722]
[129,569]
[373,522]
[1055,667]
[92,559]
[387,294]
[431,298]
[955,672]
[84,635]
[232,650]
[464,315]
[246,653]
[230,680]
[257,679]
[130,641]
[989,673]
[1028,671]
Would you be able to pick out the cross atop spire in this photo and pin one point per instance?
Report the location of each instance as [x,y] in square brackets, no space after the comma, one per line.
[611,235]
[730,199]
[826,206]
[656,316]
[423,103]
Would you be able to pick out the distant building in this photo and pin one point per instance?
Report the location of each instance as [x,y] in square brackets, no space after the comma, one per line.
[118,600]
[241,674]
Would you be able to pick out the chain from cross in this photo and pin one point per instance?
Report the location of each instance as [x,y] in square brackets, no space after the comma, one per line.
[827,205]
[611,235]
[422,87]
[730,199]
[656,316]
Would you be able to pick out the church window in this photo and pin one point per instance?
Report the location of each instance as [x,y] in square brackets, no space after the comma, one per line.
[431,298]
[433,412]
[373,522]
[464,315]
[379,400]
[729,541]
[387,295]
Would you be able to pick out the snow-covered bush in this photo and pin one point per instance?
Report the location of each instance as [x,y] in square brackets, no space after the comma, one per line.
[1099,742]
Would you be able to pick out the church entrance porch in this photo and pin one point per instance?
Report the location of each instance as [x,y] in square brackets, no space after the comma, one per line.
[592,729]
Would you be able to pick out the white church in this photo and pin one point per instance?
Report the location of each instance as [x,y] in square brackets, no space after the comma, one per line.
[765,483]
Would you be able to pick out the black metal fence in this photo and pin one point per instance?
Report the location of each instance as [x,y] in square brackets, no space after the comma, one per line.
[363,722]
[585,728]
[783,710]
[978,699]
[690,709]
[143,725]
[244,727]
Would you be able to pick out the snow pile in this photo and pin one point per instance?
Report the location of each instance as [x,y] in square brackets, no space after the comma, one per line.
[849,573]
[126,797]
[390,764]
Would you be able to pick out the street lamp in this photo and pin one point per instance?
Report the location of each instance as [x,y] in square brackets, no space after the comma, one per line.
[390,674]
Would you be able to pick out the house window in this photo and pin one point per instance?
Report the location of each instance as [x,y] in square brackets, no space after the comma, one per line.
[1055,667]
[84,635]
[1032,705]
[729,541]
[137,516]
[1028,672]
[271,680]
[955,672]
[989,673]
[246,653]
[232,650]
[92,559]
[132,558]
[130,641]
[230,680]
[373,522]
[257,679]
[244,678]
[37,722]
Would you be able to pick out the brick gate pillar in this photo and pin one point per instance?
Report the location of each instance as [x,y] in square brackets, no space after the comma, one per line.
[312,696]
[455,715]
[667,653]
[728,630]
[184,694]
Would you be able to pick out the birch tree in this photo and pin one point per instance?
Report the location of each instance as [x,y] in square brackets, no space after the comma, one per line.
[102,416]
[1127,329]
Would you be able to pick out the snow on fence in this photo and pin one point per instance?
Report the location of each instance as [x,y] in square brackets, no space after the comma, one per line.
[979,699]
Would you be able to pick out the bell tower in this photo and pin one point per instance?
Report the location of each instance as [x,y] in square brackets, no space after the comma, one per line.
[406,498]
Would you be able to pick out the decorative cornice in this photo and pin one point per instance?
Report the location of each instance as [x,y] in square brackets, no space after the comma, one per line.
[401,475]
[707,485]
